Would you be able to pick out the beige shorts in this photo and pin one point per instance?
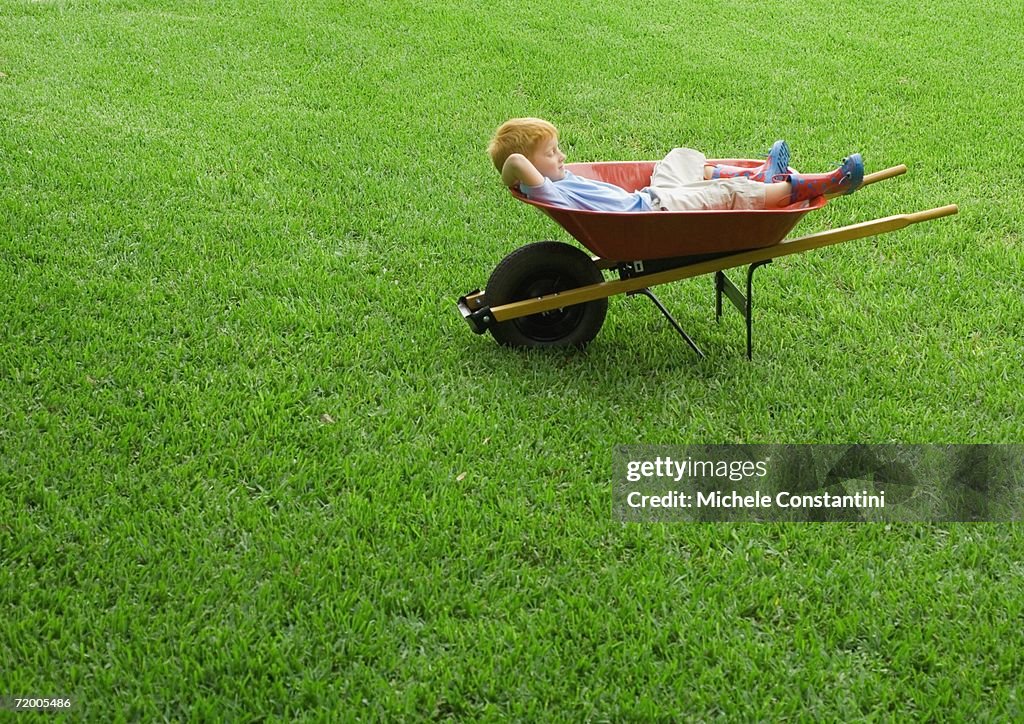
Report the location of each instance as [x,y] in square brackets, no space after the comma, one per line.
[678,184]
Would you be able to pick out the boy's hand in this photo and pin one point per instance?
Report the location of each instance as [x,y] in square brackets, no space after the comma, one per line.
[518,169]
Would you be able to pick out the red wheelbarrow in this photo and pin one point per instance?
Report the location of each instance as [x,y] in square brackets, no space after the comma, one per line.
[551,294]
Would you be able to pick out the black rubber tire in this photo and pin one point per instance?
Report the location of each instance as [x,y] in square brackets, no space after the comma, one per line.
[543,268]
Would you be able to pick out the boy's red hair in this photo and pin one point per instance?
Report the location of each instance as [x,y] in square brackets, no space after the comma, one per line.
[519,135]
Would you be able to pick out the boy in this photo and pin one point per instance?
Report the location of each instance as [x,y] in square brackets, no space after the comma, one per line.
[526,152]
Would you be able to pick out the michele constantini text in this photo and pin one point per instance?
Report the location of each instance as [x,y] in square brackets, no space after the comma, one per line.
[716,499]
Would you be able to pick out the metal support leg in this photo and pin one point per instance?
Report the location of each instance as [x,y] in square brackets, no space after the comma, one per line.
[742,303]
[720,281]
[661,307]
[750,305]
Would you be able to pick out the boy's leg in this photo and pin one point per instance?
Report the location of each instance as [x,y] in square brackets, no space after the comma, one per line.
[803,187]
[776,164]
[716,194]
[844,180]
[679,184]
[777,195]
[680,167]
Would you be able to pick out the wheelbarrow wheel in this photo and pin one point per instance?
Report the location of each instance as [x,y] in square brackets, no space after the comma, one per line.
[536,270]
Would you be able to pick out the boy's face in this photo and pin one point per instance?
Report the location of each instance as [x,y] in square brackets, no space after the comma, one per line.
[548,158]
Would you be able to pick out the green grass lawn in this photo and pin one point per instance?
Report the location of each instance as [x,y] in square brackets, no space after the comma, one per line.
[253,464]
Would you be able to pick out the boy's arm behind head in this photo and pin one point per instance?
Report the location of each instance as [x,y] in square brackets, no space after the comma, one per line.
[518,169]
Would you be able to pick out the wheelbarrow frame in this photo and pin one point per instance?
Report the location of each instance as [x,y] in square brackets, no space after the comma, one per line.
[638,276]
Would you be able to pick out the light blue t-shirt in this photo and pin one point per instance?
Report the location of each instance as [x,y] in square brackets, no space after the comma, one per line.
[576,192]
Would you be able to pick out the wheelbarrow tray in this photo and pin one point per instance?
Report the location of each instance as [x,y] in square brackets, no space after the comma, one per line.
[632,236]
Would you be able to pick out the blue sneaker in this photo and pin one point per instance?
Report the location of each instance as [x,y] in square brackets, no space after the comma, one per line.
[778,161]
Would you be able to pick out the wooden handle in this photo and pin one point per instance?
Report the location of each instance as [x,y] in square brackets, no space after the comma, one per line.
[884,174]
[936,213]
